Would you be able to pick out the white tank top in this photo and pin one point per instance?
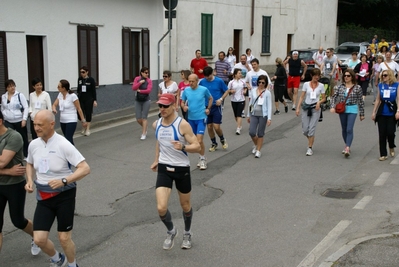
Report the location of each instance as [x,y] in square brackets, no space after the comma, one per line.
[167,153]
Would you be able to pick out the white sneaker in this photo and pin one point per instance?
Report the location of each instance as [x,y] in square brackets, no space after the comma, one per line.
[143,136]
[257,154]
[83,131]
[253,149]
[34,249]
[309,152]
[238,131]
[203,164]
[87,133]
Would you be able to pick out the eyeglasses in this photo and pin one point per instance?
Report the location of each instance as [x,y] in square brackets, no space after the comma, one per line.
[165,76]
[261,82]
[146,72]
[347,75]
[384,75]
[163,106]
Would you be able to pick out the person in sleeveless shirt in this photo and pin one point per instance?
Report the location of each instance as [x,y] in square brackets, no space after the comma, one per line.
[295,76]
[175,139]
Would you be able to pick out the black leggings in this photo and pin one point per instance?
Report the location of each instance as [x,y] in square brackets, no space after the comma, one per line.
[15,195]
[87,108]
[364,85]
[386,131]
[279,93]
[237,107]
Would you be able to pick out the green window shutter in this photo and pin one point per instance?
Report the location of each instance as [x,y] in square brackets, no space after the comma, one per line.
[266,34]
[206,34]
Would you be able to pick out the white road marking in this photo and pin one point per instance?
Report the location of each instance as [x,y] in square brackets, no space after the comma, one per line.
[362,203]
[395,160]
[332,236]
[382,179]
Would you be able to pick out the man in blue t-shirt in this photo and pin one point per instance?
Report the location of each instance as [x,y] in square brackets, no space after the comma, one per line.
[197,102]
[219,92]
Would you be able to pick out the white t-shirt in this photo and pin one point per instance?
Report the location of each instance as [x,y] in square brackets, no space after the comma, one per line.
[171,89]
[68,112]
[392,65]
[318,57]
[37,103]
[243,69]
[312,96]
[238,86]
[50,160]
[231,59]
[252,78]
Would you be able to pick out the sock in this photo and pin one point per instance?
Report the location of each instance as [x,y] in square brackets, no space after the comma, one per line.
[56,257]
[202,156]
[187,216]
[167,220]
[72,264]
[213,140]
[221,138]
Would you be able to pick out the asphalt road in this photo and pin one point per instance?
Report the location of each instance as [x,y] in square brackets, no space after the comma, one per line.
[247,212]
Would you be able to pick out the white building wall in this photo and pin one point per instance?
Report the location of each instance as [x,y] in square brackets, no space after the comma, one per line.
[51,19]
[312,23]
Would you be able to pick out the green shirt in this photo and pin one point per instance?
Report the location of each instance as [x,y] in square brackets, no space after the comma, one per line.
[12,140]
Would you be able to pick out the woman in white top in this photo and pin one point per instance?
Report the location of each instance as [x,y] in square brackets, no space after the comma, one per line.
[313,95]
[248,52]
[237,89]
[170,87]
[230,57]
[38,100]
[15,111]
[69,106]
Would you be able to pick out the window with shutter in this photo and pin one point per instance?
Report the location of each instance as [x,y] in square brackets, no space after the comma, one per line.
[266,34]
[3,62]
[88,49]
[206,34]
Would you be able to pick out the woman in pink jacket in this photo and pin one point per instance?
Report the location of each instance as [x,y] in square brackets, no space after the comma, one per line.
[142,85]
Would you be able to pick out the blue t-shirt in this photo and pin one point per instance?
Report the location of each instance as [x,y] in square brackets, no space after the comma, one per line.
[197,101]
[390,95]
[217,88]
[354,109]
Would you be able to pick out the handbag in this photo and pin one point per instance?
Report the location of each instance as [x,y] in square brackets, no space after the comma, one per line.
[251,107]
[341,106]
[141,97]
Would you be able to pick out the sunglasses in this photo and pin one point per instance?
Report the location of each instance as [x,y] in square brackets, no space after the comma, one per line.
[384,75]
[261,82]
[146,72]
[82,71]
[347,75]
[165,76]
[163,106]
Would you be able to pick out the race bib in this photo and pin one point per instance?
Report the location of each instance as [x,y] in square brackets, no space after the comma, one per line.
[38,105]
[387,94]
[84,88]
[44,165]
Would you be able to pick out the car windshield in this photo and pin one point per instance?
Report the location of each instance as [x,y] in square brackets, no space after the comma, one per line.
[346,49]
[305,55]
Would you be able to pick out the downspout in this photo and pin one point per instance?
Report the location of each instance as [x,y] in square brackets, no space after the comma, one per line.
[252,17]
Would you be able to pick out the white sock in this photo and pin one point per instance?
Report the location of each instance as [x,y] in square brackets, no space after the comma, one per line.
[56,257]
[73,264]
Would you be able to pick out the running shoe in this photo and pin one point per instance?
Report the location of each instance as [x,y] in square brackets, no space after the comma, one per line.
[213,147]
[242,114]
[186,241]
[293,107]
[34,249]
[60,263]
[203,164]
[382,158]
[253,149]
[347,152]
[286,108]
[170,240]
[143,137]
[392,152]
[83,131]
[87,133]
[277,112]
[224,144]
[309,152]
[257,154]
[238,131]
[199,163]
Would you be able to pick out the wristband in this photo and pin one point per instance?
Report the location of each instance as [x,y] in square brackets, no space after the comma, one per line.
[83,121]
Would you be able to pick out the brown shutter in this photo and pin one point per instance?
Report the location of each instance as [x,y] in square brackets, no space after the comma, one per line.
[126,55]
[3,62]
[88,50]
[145,37]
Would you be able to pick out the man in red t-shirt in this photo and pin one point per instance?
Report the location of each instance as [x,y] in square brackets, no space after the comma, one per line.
[198,64]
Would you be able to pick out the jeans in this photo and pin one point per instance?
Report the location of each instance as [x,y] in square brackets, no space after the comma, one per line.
[68,129]
[347,123]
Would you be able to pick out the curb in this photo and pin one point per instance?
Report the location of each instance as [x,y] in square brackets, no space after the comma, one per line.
[349,246]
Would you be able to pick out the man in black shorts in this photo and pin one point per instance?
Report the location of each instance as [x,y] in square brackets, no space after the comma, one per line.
[174,138]
[50,155]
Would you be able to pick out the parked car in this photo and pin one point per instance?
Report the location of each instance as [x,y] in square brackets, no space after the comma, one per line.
[344,50]
[307,56]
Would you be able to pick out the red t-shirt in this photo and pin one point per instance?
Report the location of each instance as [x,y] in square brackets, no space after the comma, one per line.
[198,64]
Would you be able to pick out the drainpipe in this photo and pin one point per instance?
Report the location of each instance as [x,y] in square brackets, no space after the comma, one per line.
[252,16]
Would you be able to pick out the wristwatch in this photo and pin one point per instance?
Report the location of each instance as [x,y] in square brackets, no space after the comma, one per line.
[64,181]
[183,147]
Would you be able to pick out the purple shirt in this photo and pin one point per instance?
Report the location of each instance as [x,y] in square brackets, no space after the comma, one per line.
[220,67]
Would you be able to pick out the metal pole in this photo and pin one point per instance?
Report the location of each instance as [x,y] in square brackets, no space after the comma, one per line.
[170,35]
